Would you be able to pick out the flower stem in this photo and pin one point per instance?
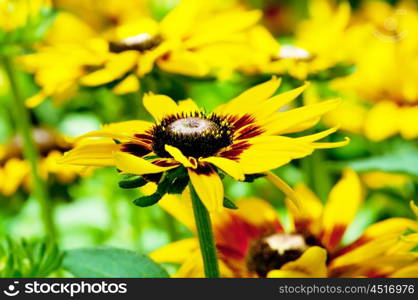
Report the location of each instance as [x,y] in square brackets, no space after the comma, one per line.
[30,151]
[317,172]
[205,234]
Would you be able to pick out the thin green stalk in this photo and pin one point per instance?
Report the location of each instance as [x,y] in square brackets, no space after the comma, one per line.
[30,151]
[171,226]
[205,234]
[317,172]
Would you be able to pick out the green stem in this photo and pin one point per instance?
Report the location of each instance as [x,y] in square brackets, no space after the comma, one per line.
[318,176]
[171,226]
[205,234]
[30,151]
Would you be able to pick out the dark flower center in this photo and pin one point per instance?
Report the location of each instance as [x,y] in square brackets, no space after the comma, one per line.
[195,134]
[272,252]
[45,141]
[141,42]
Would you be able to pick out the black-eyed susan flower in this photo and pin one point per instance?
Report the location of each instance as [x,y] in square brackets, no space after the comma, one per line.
[252,241]
[243,137]
[15,170]
[384,42]
[194,39]
[106,15]
[70,50]
[315,48]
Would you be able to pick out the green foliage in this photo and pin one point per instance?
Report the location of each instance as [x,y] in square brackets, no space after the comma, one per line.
[405,163]
[229,204]
[111,263]
[28,258]
[132,182]
[15,41]
[172,182]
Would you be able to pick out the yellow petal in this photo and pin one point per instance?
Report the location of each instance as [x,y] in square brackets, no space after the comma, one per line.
[266,214]
[178,156]
[273,104]
[344,200]
[230,167]
[177,252]
[311,211]
[312,263]
[129,85]
[15,172]
[132,164]
[115,68]
[286,189]
[407,272]
[180,207]
[159,105]
[221,27]
[414,207]
[407,122]
[249,99]
[270,152]
[186,63]
[208,187]
[382,121]
[282,122]
[119,130]
[180,19]
[35,100]
[188,106]
[91,153]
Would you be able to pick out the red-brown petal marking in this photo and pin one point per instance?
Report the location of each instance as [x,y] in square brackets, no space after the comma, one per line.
[135,149]
[239,122]
[332,239]
[234,151]
[161,162]
[249,132]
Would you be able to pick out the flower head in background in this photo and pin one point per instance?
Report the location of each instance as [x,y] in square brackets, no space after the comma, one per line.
[382,93]
[15,171]
[242,137]
[317,46]
[193,39]
[258,244]
[106,15]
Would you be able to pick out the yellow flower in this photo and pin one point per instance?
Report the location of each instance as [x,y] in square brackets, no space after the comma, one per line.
[15,14]
[193,39]
[244,136]
[15,171]
[257,244]
[378,179]
[70,51]
[317,43]
[383,86]
[108,13]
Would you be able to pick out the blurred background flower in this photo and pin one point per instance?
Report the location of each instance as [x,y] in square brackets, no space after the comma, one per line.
[69,66]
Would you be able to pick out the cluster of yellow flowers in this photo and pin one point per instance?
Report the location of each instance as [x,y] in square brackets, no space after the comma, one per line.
[188,150]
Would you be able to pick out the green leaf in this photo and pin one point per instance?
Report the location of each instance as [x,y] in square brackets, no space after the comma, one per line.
[252,177]
[132,182]
[229,204]
[111,262]
[146,201]
[405,163]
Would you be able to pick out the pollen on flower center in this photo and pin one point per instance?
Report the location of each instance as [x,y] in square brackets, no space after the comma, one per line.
[293,52]
[194,134]
[141,42]
[191,126]
[272,252]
